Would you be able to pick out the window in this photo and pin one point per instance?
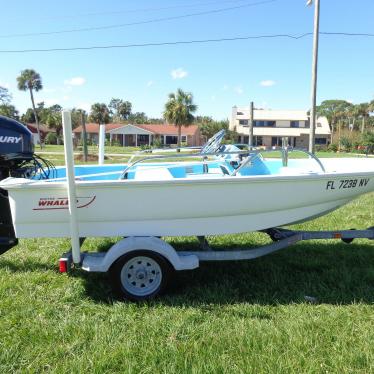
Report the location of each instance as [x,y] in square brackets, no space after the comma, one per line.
[270,123]
[321,141]
[319,124]
[295,124]
[184,138]
[239,113]
[243,122]
[258,141]
[264,123]
[171,139]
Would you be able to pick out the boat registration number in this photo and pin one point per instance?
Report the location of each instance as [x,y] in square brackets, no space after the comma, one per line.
[347,183]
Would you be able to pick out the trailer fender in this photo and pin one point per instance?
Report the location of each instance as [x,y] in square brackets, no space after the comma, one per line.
[101,262]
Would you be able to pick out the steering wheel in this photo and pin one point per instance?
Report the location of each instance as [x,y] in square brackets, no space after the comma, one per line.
[213,144]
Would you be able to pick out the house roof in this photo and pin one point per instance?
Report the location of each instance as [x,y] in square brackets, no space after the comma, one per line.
[157,129]
[43,128]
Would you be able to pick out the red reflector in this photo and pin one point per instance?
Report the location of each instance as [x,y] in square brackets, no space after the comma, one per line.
[337,235]
[63,266]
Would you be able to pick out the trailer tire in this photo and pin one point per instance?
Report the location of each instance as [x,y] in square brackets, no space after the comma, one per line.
[141,275]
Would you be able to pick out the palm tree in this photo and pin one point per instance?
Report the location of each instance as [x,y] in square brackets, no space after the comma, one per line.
[363,111]
[100,114]
[31,80]
[179,109]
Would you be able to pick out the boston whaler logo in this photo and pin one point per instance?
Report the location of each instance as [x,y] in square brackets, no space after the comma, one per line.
[51,203]
[10,139]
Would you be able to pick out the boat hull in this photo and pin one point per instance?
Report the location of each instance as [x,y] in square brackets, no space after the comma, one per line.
[182,207]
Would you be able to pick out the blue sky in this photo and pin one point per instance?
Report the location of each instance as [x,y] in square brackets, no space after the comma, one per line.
[274,73]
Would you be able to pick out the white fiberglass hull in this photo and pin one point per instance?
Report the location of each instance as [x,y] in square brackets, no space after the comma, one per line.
[209,206]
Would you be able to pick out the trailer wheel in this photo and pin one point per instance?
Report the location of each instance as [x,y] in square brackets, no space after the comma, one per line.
[141,275]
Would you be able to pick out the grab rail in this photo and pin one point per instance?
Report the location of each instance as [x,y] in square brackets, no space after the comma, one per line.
[178,155]
[251,155]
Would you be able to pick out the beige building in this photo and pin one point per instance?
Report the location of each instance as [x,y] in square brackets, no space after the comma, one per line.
[270,126]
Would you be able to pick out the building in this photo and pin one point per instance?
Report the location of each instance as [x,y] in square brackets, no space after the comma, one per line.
[270,126]
[44,130]
[140,135]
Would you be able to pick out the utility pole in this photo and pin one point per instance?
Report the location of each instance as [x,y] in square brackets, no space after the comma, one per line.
[314,75]
[250,126]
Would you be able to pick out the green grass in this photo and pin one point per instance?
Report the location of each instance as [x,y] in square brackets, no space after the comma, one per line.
[235,317]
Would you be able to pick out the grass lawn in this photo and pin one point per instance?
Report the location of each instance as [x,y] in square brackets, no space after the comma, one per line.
[239,317]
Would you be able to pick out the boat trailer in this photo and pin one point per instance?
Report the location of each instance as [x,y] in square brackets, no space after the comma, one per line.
[140,268]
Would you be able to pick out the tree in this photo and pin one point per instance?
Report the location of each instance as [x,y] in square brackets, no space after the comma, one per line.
[100,113]
[210,127]
[363,110]
[120,109]
[52,118]
[179,110]
[335,111]
[138,118]
[5,96]
[9,110]
[30,80]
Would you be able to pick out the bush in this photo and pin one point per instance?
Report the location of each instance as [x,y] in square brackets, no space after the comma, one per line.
[333,147]
[157,143]
[368,139]
[320,147]
[52,138]
[346,143]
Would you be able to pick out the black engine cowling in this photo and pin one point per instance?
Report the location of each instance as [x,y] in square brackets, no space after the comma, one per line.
[16,148]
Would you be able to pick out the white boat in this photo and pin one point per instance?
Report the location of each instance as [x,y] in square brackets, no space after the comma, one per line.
[207,197]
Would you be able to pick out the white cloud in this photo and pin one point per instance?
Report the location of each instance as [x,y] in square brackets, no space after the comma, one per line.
[267,83]
[179,73]
[225,87]
[239,90]
[4,84]
[66,98]
[150,83]
[75,81]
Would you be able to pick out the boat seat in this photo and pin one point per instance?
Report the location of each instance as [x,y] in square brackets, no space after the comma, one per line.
[153,173]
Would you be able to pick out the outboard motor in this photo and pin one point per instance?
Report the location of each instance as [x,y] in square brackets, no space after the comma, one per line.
[16,153]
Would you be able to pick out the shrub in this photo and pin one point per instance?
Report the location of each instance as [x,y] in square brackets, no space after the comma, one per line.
[157,143]
[52,138]
[346,143]
[333,147]
[368,139]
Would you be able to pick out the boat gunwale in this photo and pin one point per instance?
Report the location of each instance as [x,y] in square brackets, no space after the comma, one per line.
[42,184]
